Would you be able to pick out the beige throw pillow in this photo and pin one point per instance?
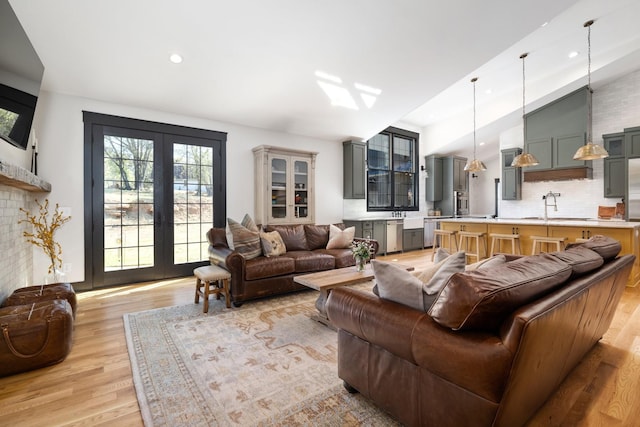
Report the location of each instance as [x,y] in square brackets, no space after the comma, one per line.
[435,277]
[272,244]
[397,284]
[340,239]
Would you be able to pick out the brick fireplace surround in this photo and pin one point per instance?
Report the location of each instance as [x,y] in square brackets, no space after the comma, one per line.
[19,188]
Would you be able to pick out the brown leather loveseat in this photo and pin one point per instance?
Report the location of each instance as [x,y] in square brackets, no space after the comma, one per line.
[265,276]
[494,345]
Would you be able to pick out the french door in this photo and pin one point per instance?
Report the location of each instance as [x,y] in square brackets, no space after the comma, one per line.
[155,191]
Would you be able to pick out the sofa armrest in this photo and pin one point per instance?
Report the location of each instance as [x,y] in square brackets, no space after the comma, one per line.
[381,322]
[373,243]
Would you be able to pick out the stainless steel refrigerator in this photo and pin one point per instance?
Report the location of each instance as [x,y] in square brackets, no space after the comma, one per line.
[633,192]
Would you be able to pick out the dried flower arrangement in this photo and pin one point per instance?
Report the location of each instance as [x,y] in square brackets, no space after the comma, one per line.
[44,229]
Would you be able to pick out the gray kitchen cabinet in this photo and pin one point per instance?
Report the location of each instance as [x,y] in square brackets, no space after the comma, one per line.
[556,131]
[460,176]
[413,239]
[357,225]
[370,229]
[632,141]
[380,234]
[614,143]
[511,176]
[615,175]
[354,167]
[434,181]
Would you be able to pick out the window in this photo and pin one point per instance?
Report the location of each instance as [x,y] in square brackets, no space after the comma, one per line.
[392,176]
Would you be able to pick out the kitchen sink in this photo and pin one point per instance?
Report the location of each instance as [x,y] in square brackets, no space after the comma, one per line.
[413,222]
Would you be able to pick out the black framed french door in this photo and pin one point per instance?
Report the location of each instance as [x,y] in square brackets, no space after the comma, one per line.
[155,190]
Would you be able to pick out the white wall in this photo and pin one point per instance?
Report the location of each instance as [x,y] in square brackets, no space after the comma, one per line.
[60,132]
[615,107]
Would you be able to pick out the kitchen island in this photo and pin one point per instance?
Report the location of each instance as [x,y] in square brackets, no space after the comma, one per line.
[628,233]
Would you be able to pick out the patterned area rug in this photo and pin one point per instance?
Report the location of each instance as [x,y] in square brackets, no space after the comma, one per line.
[265,363]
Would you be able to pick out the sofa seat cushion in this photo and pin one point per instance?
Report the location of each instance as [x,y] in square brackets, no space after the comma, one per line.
[307,261]
[481,299]
[292,235]
[263,267]
[343,257]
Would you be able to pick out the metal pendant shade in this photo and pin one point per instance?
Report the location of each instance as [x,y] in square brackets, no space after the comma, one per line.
[525,159]
[590,151]
[475,165]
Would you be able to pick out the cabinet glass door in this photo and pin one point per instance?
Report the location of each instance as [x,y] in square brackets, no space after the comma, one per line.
[278,188]
[301,188]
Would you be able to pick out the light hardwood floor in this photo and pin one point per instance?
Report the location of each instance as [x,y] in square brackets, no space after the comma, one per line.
[94,386]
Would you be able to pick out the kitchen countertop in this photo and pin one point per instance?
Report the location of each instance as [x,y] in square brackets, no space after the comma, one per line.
[391,218]
[568,222]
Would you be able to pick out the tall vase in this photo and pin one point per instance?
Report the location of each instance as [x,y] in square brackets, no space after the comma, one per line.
[56,277]
[360,263]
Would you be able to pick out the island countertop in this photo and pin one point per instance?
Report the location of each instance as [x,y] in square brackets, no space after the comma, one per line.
[566,222]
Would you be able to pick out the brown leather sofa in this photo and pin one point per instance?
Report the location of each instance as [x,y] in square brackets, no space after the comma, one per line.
[493,367]
[266,276]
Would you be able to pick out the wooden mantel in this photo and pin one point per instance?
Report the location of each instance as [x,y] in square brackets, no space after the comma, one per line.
[18,177]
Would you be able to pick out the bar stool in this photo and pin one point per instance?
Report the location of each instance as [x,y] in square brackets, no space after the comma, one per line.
[474,238]
[211,280]
[438,235]
[539,240]
[498,238]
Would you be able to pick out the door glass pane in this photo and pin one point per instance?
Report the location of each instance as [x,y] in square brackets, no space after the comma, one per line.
[301,180]
[278,188]
[128,195]
[192,201]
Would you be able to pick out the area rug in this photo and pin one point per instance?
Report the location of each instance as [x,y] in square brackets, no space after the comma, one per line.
[264,363]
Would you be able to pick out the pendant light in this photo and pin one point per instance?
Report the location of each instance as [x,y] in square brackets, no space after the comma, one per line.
[590,151]
[524,159]
[475,165]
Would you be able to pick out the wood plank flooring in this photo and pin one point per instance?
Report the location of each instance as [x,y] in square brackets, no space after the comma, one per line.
[94,386]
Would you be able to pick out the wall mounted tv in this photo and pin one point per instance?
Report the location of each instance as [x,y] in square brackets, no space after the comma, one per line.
[20,77]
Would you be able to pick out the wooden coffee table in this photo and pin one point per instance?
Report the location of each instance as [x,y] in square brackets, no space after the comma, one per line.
[324,281]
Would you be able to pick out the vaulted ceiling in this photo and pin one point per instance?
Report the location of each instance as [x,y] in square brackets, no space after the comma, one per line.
[333,69]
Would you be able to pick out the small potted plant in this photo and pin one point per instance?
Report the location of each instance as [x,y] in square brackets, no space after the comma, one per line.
[361,253]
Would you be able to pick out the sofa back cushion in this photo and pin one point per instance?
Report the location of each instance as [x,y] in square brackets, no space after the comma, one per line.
[606,247]
[481,299]
[581,259]
[217,237]
[317,236]
[293,236]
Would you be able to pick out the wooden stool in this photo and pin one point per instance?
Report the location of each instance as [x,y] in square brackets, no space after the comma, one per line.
[437,243]
[498,238]
[211,280]
[474,238]
[538,240]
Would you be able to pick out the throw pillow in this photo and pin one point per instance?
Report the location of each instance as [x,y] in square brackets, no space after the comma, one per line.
[229,234]
[272,244]
[245,241]
[247,222]
[397,284]
[435,277]
[340,239]
[441,253]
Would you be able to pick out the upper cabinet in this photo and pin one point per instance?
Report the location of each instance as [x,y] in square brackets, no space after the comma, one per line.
[620,146]
[460,176]
[354,160]
[433,181]
[553,134]
[511,176]
[284,185]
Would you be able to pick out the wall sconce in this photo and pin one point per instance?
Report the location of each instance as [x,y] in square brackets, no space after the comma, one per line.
[473,175]
[424,172]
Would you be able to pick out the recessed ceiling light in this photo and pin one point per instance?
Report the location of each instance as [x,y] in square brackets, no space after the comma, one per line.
[544,24]
[481,144]
[573,54]
[488,91]
[175,58]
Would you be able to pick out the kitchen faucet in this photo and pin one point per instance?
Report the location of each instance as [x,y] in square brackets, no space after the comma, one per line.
[546,202]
